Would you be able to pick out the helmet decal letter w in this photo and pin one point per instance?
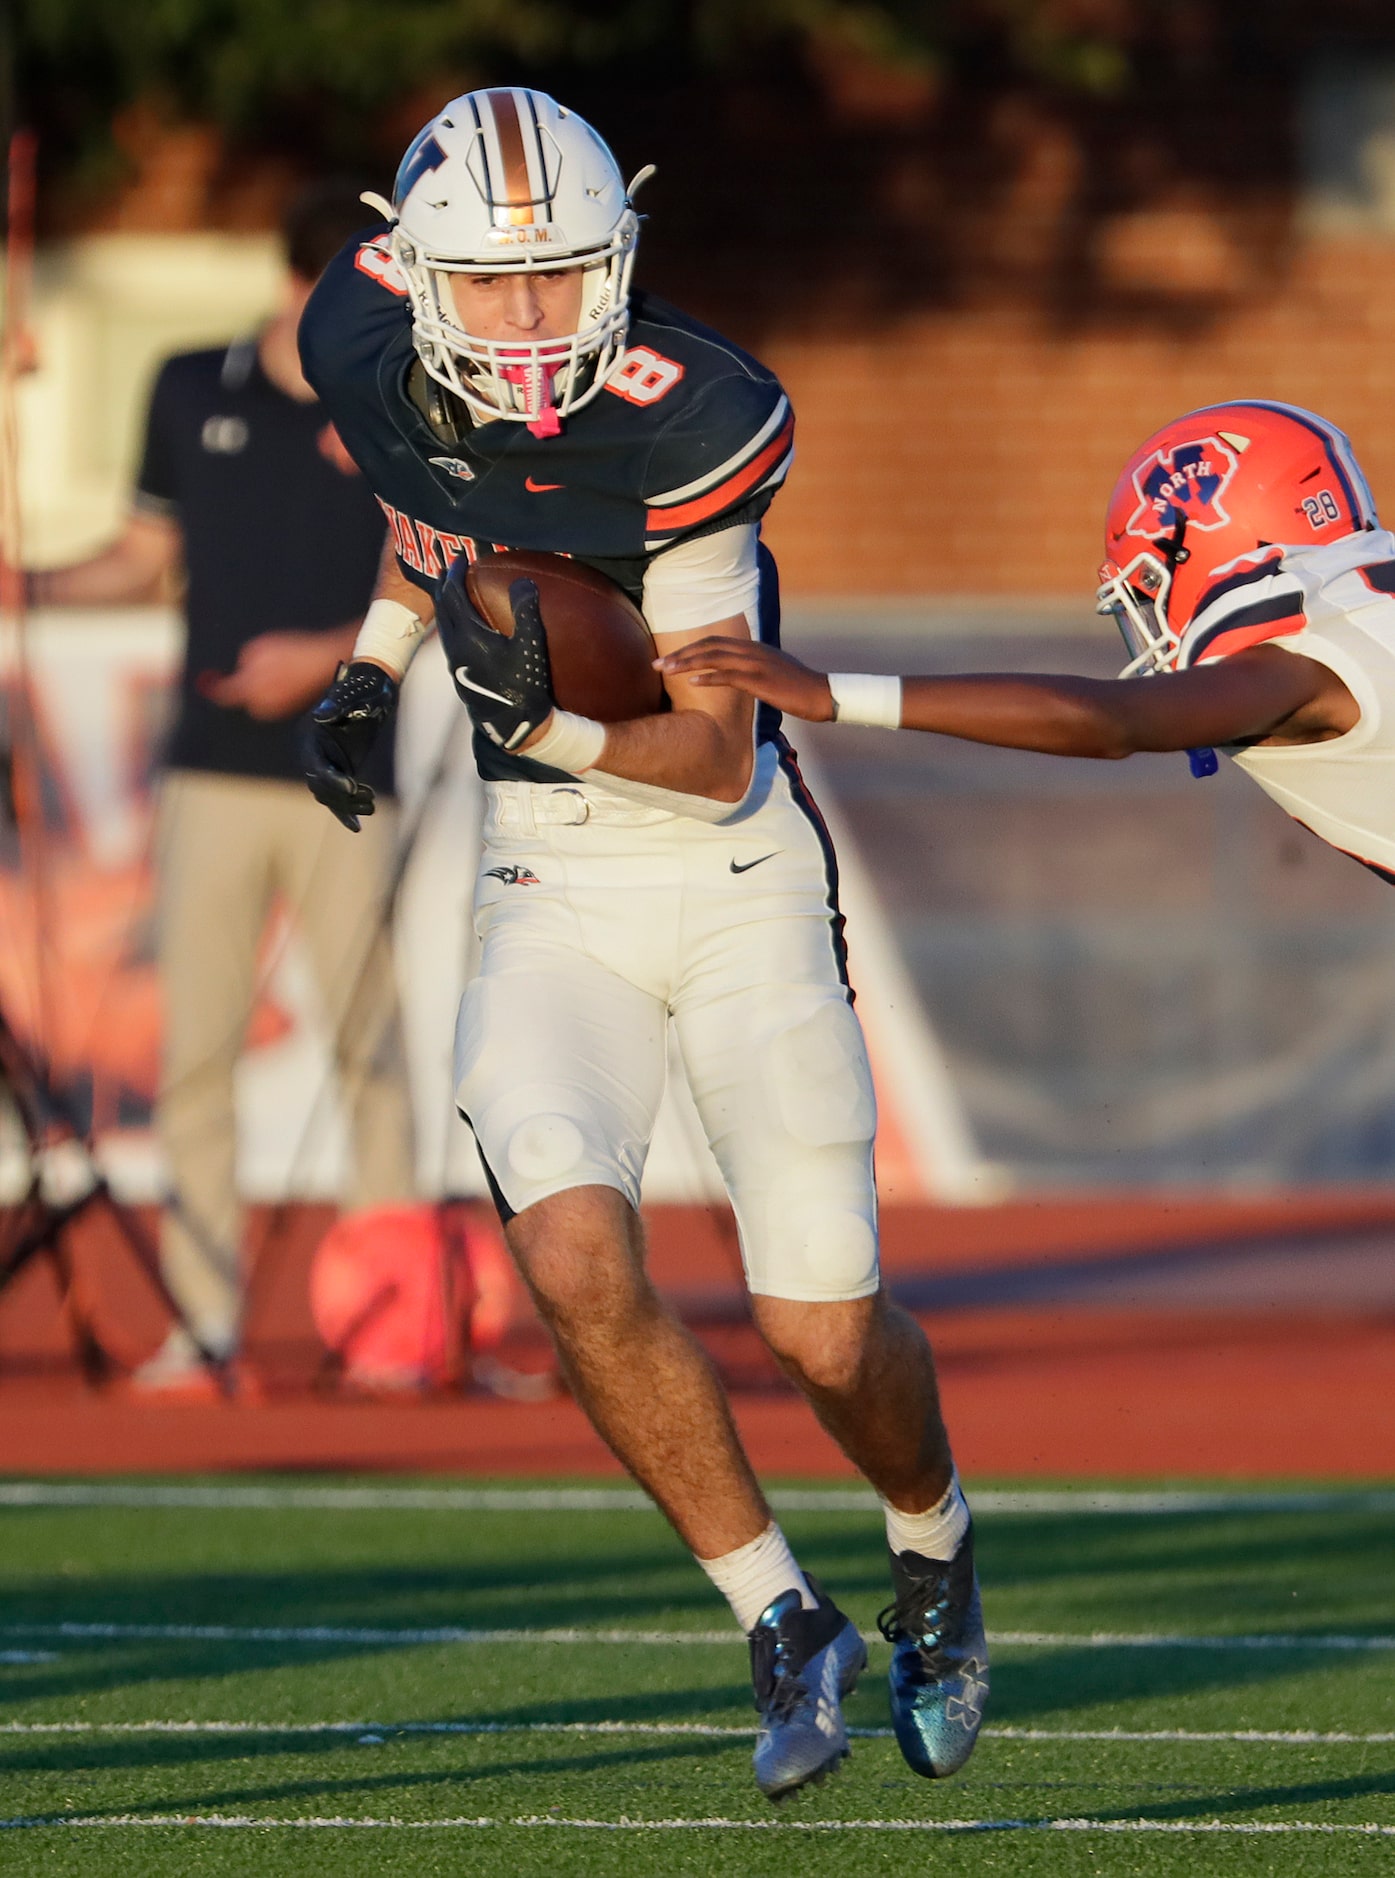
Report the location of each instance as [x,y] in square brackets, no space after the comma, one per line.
[1183,484]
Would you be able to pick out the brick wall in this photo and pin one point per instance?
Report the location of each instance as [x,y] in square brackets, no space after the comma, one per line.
[974,451]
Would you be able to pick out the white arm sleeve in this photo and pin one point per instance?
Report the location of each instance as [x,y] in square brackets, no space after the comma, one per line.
[700,582]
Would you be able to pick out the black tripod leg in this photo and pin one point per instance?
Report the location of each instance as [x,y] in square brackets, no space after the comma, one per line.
[45,1238]
[94,1359]
[147,1256]
[48,1120]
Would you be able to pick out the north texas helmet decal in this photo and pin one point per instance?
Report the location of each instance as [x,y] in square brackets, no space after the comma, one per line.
[1184,483]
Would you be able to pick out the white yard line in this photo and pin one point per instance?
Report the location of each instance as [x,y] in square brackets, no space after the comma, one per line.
[555,1822]
[1276,1737]
[381,1730]
[1163,1640]
[452,1634]
[247,1498]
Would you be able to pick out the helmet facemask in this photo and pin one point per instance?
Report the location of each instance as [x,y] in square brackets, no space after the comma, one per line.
[535,382]
[1136,596]
[1136,599]
[506,183]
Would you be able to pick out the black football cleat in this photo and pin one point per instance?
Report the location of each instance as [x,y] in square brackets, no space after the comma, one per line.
[802,1665]
[939,1663]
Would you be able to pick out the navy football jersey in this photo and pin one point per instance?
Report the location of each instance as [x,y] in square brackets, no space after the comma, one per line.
[688,435]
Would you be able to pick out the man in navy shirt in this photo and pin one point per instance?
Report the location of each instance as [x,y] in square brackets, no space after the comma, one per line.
[489,367]
[246,492]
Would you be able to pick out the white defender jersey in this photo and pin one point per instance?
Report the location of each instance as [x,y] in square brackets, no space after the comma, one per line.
[1335,604]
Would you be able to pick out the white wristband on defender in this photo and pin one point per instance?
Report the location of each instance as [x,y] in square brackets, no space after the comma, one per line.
[861,698]
[570,742]
[390,633]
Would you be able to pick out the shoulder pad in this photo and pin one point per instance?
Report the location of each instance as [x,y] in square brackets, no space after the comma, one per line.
[353,314]
[1255,599]
[728,448]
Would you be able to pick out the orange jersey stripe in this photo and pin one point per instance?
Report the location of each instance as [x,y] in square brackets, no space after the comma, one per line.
[661,521]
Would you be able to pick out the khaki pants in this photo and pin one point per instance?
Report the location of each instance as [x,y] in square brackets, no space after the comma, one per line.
[226,848]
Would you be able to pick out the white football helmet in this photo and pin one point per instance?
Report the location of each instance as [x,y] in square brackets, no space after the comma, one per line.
[508,179]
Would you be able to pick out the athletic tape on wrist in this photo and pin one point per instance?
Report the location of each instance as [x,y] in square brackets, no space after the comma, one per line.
[570,742]
[863,698]
[390,634]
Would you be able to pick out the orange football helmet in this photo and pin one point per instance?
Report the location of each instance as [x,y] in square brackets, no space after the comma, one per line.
[1207,492]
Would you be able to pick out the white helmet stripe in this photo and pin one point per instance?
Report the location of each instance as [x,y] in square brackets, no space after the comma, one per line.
[1366,502]
[492,165]
[538,186]
[1339,449]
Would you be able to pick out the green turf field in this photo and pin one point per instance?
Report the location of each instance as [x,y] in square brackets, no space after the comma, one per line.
[255,1662]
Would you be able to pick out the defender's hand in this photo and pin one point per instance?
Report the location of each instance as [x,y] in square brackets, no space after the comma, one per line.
[343,728]
[759,670]
[506,683]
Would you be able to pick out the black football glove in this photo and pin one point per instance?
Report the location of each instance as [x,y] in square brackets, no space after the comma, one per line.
[506,683]
[343,728]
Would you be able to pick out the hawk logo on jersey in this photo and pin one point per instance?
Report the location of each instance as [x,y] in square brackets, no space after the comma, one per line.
[453,466]
[513,876]
[1183,484]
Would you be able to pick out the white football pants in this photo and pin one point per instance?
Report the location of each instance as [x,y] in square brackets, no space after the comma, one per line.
[600,923]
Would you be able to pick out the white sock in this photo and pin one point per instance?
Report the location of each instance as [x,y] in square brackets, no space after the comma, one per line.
[937,1533]
[754,1575]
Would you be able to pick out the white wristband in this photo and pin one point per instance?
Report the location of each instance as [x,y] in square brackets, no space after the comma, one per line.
[390,633]
[861,698]
[570,742]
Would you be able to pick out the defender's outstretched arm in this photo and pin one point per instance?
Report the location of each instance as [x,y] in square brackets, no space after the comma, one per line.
[1262,693]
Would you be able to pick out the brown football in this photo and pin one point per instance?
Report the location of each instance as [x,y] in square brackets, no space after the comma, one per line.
[599,647]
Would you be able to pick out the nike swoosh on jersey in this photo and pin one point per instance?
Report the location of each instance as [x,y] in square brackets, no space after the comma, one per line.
[744,867]
[537,488]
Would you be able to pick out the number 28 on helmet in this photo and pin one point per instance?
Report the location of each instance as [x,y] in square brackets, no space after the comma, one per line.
[1209,492]
[508,181]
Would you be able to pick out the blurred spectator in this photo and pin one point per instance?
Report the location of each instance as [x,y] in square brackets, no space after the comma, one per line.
[246,493]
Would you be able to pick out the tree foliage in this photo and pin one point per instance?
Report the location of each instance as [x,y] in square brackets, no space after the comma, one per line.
[838,154]
[247,65]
